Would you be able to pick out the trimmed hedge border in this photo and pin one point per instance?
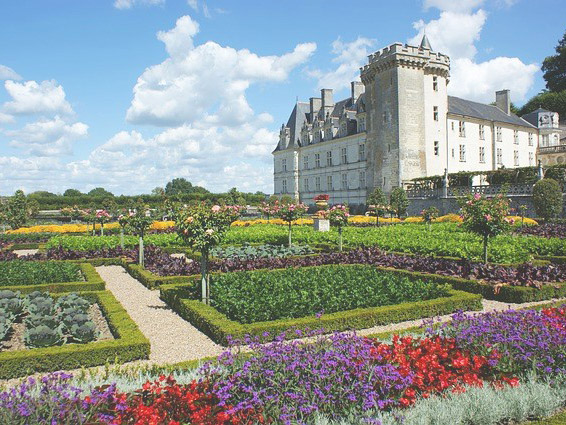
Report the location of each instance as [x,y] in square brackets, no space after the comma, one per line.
[92,282]
[153,281]
[130,344]
[219,327]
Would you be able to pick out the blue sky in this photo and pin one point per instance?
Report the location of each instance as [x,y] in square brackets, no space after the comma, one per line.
[128,94]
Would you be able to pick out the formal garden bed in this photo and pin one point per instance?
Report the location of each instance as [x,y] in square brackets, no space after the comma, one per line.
[57,335]
[329,297]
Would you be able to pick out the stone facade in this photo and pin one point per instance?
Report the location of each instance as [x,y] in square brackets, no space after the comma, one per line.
[398,124]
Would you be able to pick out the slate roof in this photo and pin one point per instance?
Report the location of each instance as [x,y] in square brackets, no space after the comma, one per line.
[532,117]
[482,111]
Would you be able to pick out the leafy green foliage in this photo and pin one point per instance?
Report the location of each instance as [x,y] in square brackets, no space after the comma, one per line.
[398,201]
[291,293]
[261,251]
[553,101]
[554,68]
[182,186]
[18,210]
[42,336]
[100,191]
[84,333]
[21,272]
[547,197]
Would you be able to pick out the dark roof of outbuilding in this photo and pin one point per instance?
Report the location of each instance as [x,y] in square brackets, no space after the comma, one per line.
[482,111]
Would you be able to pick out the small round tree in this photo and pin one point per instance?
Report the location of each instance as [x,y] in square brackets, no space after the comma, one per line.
[338,216]
[289,213]
[102,217]
[486,217]
[429,215]
[123,219]
[139,222]
[89,216]
[377,204]
[398,201]
[204,227]
[19,209]
[547,197]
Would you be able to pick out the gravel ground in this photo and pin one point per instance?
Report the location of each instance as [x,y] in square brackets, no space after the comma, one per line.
[172,338]
[22,252]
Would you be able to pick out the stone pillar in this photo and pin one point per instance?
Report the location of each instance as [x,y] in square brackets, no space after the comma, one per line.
[445,184]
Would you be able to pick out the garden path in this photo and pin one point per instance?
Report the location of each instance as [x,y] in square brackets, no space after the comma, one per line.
[172,338]
[23,252]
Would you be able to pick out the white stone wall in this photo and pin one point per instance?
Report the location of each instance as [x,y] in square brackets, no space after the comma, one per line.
[435,131]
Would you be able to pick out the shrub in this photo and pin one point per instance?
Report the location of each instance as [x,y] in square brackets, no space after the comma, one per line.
[291,293]
[20,272]
[398,201]
[547,197]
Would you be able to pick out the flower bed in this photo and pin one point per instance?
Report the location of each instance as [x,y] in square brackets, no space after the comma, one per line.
[342,379]
[547,230]
[353,315]
[246,252]
[128,344]
[80,228]
[20,272]
[38,320]
[256,296]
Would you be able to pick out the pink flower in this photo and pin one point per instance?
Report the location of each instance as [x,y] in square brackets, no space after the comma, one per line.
[487,217]
[216,208]
[477,196]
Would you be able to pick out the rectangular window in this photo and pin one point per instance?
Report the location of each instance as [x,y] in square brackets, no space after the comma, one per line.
[329,158]
[284,186]
[545,140]
[362,126]
[362,179]
[530,139]
[516,158]
[344,155]
[317,183]
[499,156]
[343,130]
[284,165]
[482,132]
[452,125]
[306,162]
[531,158]
[452,152]
[462,153]
[344,181]
[329,183]
[362,152]
[498,135]
[435,83]
[317,160]
[462,128]
[436,148]
[435,113]
[482,155]
[516,137]
[306,185]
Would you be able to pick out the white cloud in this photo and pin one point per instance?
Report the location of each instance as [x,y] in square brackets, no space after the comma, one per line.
[349,58]
[205,10]
[47,137]
[455,33]
[128,4]
[454,5]
[7,73]
[6,118]
[206,82]
[32,98]
[480,81]
[193,4]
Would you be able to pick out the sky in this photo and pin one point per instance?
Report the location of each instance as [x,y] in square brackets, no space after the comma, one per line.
[129,94]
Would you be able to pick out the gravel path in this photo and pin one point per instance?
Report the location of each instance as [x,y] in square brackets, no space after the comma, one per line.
[172,338]
[22,252]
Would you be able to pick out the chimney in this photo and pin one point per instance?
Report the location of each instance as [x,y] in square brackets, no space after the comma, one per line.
[357,89]
[327,101]
[503,101]
[316,103]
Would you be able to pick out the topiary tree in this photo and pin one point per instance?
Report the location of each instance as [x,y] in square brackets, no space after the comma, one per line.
[102,216]
[289,213]
[139,222]
[547,197]
[338,217]
[377,204]
[486,217]
[19,209]
[398,201]
[429,215]
[204,227]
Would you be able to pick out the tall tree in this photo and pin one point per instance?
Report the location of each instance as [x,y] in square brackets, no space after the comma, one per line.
[100,191]
[72,192]
[554,68]
[181,186]
[553,101]
[18,210]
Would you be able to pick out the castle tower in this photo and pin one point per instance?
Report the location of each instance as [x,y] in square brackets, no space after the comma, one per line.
[407,102]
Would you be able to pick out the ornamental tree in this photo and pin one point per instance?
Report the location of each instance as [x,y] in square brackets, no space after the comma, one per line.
[429,215]
[486,217]
[547,197]
[290,212]
[203,227]
[377,204]
[338,217]
[139,221]
[398,201]
[19,209]
[123,222]
[89,216]
[102,217]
